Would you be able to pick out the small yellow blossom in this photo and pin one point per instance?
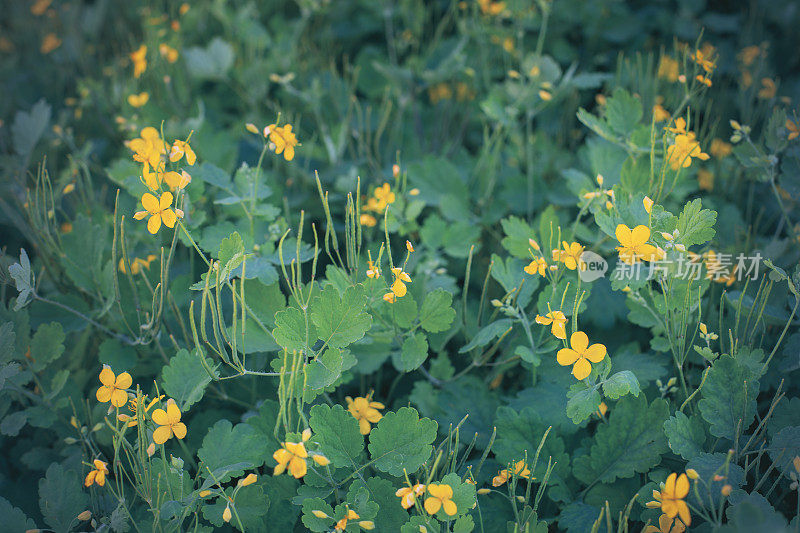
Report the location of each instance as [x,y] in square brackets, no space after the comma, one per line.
[367,220]
[680,153]
[705,179]
[570,255]
[341,525]
[666,525]
[138,100]
[634,245]
[720,148]
[395,171]
[670,498]
[148,148]
[365,411]
[50,43]
[659,113]
[168,53]
[114,386]
[794,130]
[248,480]
[284,140]
[226,514]
[692,473]
[169,423]
[408,495]
[177,180]
[382,196]
[537,266]
[400,279]
[558,322]
[132,406]
[180,149]
[414,192]
[440,497]
[372,271]
[409,246]
[489,7]
[749,54]
[768,89]
[702,58]
[668,69]
[440,91]
[139,58]
[158,209]
[704,80]
[389,297]
[520,469]
[98,475]
[647,202]
[580,354]
[602,409]
[40,6]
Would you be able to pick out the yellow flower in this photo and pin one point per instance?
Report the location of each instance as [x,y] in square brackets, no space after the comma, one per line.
[409,247]
[40,6]
[66,227]
[720,148]
[704,80]
[580,354]
[680,153]
[342,524]
[414,192]
[169,423]
[666,525]
[440,91]
[139,58]
[158,209]
[440,497]
[634,244]
[703,60]
[558,321]
[408,495]
[768,89]
[365,411]
[226,514]
[177,181]
[50,43]
[659,113]
[400,279]
[488,7]
[705,179]
[520,469]
[749,54]
[249,480]
[389,297]
[367,220]
[537,266]
[670,498]
[98,475]
[114,386]
[292,456]
[647,202]
[602,409]
[138,100]
[570,255]
[373,271]
[794,130]
[168,53]
[382,197]
[284,140]
[668,69]
[148,148]
[132,405]
[181,148]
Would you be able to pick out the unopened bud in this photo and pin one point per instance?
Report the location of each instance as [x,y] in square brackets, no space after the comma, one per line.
[726,490]
[84,516]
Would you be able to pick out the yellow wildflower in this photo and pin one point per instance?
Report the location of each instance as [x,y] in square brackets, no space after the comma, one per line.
[292,456]
[382,196]
[668,69]
[40,6]
[720,148]
[768,89]
[176,180]
[367,220]
[702,58]
[389,297]
[168,53]
[372,271]
[365,411]
[580,354]
[400,279]
[408,495]
[558,321]
[132,406]
[341,525]
[114,386]
[520,469]
[749,54]
[284,140]
[50,43]
[705,179]
[659,113]
[680,153]
[98,475]
[537,266]
[158,209]
[138,100]
[634,244]
[570,255]
[181,148]
[148,148]
[409,246]
[670,498]
[440,497]
[666,525]
[139,58]
[488,7]
[794,130]
[704,80]
[169,423]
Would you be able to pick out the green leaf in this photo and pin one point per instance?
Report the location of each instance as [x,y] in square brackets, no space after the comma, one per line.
[229,450]
[685,435]
[695,224]
[707,466]
[620,384]
[437,313]
[403,311]
[14,519]
[113,353]
[28,128]
[401,441]
[518,437]
[463,496]
[582,403]
[325,369]
[341,320]
[729,397]
[623,112]
[311,521]
[211,62]
[231,254]
[785,446]
[264,300]
[290,330]
[336,432]
[390,516]
[488,333]
[47,345]
[61,497]
[185,378]
[23,279]
[414,352]
[631,442]
[517,234]
[251,506]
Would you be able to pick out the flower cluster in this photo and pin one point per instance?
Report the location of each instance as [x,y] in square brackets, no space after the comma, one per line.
[440,497]
[520,469]
[684,147]
[292,456]
[580,354]
[365,411]
[282,140]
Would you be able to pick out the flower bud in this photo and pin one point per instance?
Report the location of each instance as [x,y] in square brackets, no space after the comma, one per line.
[226,514]
[251,128]
[648,204]
[204,493]
[249,480]
[319,514]
[84,516]
[484,491]
[726,490]
[692,473]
